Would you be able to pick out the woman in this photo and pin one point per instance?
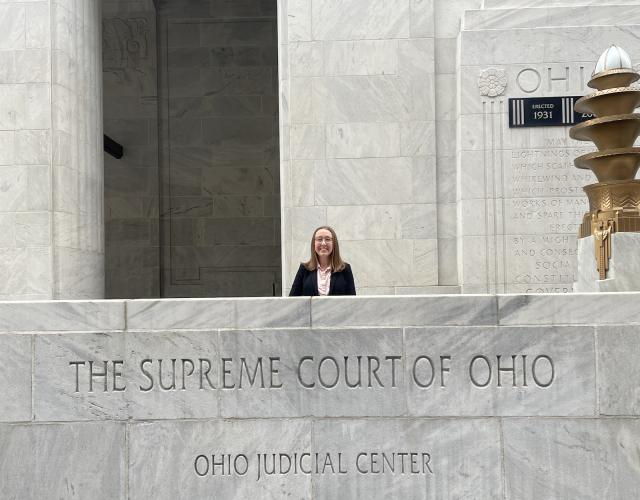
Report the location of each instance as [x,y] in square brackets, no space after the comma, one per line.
[324,273]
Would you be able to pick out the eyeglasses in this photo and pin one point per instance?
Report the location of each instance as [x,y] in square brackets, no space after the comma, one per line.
[321,239]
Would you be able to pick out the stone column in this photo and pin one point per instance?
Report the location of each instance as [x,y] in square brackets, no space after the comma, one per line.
[51,163]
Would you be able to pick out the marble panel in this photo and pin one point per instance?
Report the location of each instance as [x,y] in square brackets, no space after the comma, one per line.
[363,181]
[207,314]
[417,138]
[446,96]
[85,460]
[302,108]
[368,222]
[445,55]
[425,263]
[449,16]
[618,370]
[447,262]
[7,147]
[37,114]
[13,196]
[7,230]
[361,57]
[419,221]
[30,66]
[304,220]
[542,45]
[542,17]
[380,262]
[360,140]
[447,220]
[422,18]
[298,16]
[416,56]
[80,272]
[566,458]
[378,98]
[353,20]
[32,147]
[306,58]
[525,371]
[25,273]
[32,228]
[38,30]
[302,182]
[15,377]
[12,27]
[372,452]
[175,459]
[58,316]
[307,142]
[576,308]
[423,175]
[404,311]
[314,372]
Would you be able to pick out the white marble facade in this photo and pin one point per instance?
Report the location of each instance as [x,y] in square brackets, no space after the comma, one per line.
[358,141]
[520,198]
[51,237]
[392,128]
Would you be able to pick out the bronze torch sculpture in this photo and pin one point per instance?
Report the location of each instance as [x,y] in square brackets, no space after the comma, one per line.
[614,201]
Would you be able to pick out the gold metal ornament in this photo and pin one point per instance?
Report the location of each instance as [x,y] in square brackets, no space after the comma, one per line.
[614,202]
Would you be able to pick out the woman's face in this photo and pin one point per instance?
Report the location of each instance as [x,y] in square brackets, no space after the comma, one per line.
[323,243]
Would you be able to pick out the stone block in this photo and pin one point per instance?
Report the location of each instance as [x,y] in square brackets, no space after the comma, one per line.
[500,371]
[85,460]
[376,98]
[567,458]
[175,459]
[313,373]
[366,222]
[422,18]
[410,458]
[403,311]
[208,314]
[363,181]
[360,140]
[361,57]
[568,309]
[354,20]
[61,316]
[15,377]
[618,370]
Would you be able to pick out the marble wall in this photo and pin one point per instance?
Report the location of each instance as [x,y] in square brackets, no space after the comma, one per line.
[520,200]
[515,396]
[220,173]
[51,219]
[358,140]
[130,97]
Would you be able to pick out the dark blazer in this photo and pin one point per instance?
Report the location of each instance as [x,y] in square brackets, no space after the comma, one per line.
[306,282]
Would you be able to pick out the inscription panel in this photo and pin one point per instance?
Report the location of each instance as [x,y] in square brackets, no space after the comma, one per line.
[408,458]
[433,371]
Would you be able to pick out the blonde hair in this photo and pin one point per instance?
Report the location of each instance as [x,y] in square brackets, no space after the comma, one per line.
[337,264]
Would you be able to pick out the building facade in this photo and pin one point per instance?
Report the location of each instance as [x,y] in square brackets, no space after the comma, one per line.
[246,124]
